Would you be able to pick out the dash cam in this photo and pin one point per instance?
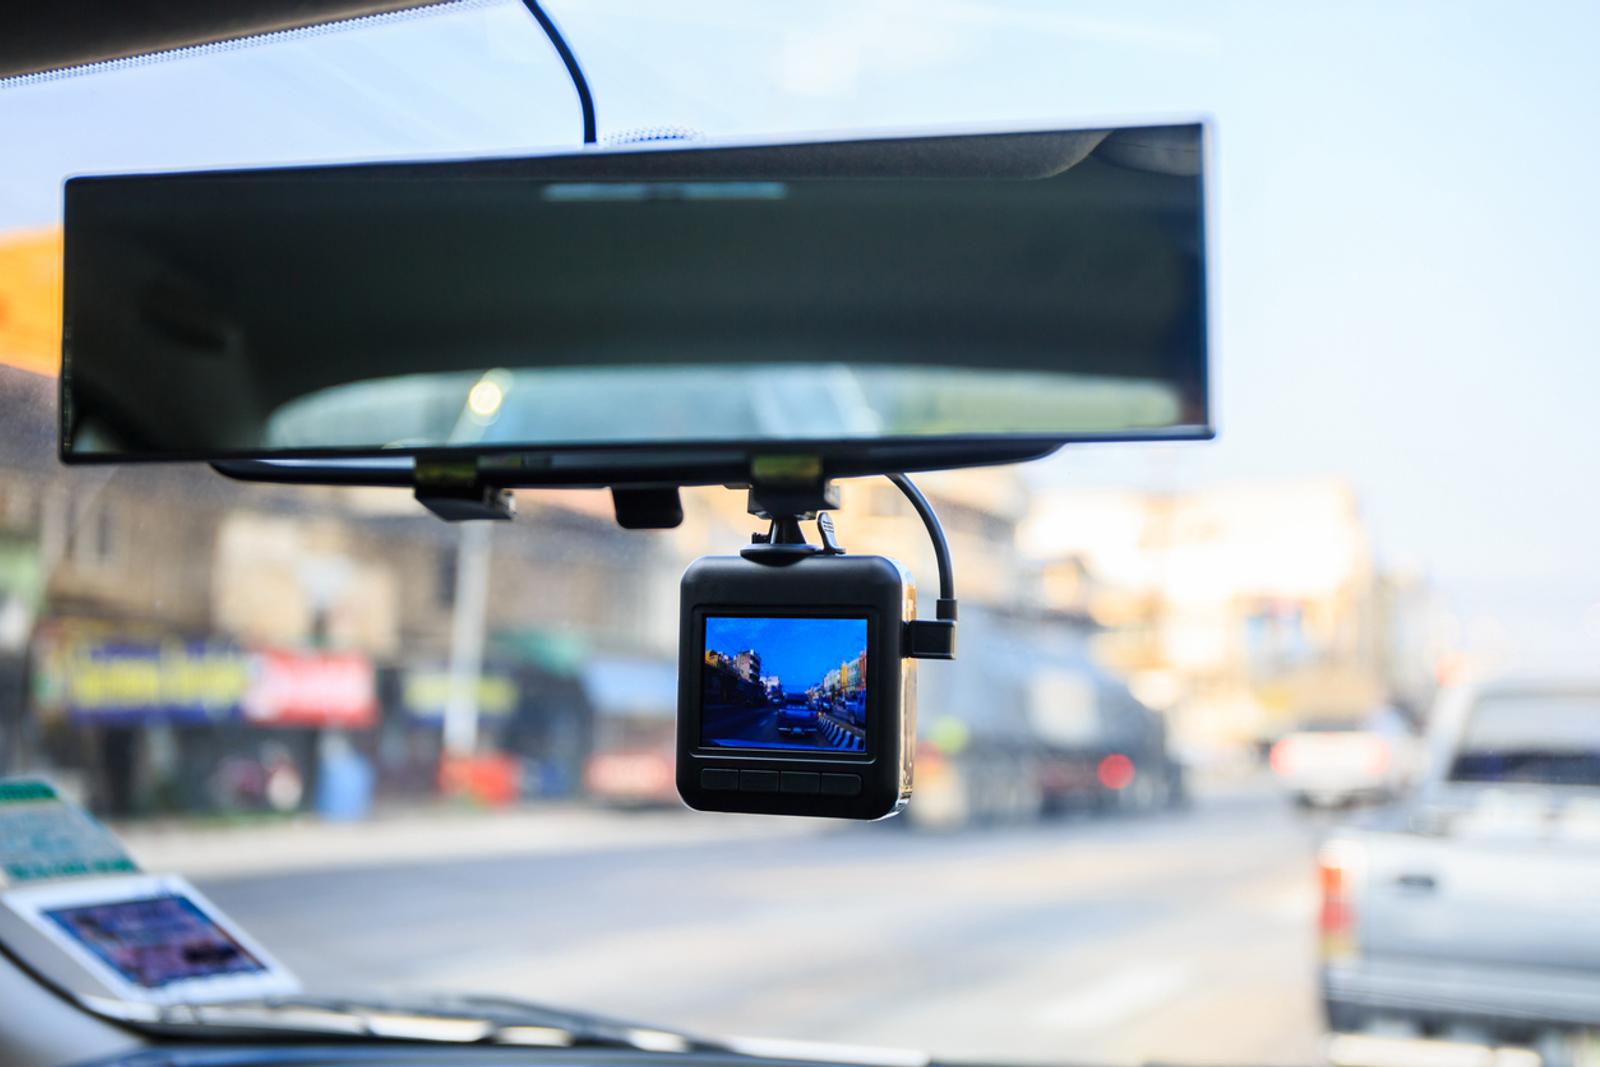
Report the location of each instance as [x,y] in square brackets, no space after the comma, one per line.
[796,690]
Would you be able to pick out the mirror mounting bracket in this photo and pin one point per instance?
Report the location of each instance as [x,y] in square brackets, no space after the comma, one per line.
[455,491]
[786,490]
[790,486]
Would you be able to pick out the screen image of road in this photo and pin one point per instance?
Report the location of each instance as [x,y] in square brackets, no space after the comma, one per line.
[796,683]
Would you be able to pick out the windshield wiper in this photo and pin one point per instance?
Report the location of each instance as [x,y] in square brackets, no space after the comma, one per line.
[446,1020]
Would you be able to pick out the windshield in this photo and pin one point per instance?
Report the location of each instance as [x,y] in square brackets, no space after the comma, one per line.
[411,757]
[1532,739]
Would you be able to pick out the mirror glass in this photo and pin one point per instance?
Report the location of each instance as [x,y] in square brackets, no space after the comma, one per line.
[1038,285]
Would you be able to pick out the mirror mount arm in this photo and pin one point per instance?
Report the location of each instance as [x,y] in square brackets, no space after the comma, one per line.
[788,490]
[786,486]
[456,492]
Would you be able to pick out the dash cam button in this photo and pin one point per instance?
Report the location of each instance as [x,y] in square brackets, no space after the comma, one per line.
[840,785]
[758,781]
[722,779]
[799,782]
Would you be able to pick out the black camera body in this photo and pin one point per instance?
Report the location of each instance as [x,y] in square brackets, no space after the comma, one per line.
[796,693]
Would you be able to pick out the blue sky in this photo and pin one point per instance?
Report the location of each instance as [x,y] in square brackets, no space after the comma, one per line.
[797,651]
[1404,210]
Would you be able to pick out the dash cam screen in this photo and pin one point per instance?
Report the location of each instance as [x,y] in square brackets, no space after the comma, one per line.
[792,683]
[156,941]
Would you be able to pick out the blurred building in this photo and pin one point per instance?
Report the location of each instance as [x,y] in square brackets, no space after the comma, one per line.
[1241,607]
[748,665]
[152,613]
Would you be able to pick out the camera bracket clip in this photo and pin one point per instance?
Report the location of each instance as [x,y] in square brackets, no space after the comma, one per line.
[795,491]
[788,490]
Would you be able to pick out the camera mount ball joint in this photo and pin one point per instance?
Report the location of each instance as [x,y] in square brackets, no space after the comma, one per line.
[785,542]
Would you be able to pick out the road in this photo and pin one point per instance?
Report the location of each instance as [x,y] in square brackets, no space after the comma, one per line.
[759,726]
[1184,938]
[738,724]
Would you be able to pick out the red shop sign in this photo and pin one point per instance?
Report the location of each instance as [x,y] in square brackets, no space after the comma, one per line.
[336,689]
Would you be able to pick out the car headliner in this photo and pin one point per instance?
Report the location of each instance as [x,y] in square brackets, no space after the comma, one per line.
[73,33]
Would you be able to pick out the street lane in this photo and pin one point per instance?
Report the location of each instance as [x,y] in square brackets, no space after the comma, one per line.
[758,727]
[735,723]
[1185,938]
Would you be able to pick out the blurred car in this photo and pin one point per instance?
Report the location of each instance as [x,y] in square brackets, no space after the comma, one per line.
[632,778]
[1332,762]
[854,710]
[635,705]
[796,716]
[1474,908]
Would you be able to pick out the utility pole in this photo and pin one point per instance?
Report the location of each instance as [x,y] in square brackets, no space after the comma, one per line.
[469,620]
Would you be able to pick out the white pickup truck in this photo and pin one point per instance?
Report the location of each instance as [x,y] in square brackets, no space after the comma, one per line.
[1328,763]
[1474,912]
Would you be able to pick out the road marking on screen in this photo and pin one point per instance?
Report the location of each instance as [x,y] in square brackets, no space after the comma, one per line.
[839,737]
[1116,998]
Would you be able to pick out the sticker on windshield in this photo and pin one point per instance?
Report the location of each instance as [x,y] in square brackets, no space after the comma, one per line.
[43,837]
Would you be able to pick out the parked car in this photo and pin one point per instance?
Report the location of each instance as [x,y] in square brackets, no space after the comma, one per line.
[1473,909]
[854,710]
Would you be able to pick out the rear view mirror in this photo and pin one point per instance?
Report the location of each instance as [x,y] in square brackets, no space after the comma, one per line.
[967,298]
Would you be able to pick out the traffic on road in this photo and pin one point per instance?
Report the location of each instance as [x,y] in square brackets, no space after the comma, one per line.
[785,683]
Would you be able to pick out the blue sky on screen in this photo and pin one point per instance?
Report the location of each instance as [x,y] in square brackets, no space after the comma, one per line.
[1404,212]
[797,651]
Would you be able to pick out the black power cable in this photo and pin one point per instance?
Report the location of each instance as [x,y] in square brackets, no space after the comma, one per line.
[932,638]
[946,607]
[575,72]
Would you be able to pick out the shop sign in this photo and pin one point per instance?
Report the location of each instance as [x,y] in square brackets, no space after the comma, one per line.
[297,688]
[425,693]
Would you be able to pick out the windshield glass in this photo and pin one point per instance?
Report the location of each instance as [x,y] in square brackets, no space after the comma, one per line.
[1549,739]
[410,757]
